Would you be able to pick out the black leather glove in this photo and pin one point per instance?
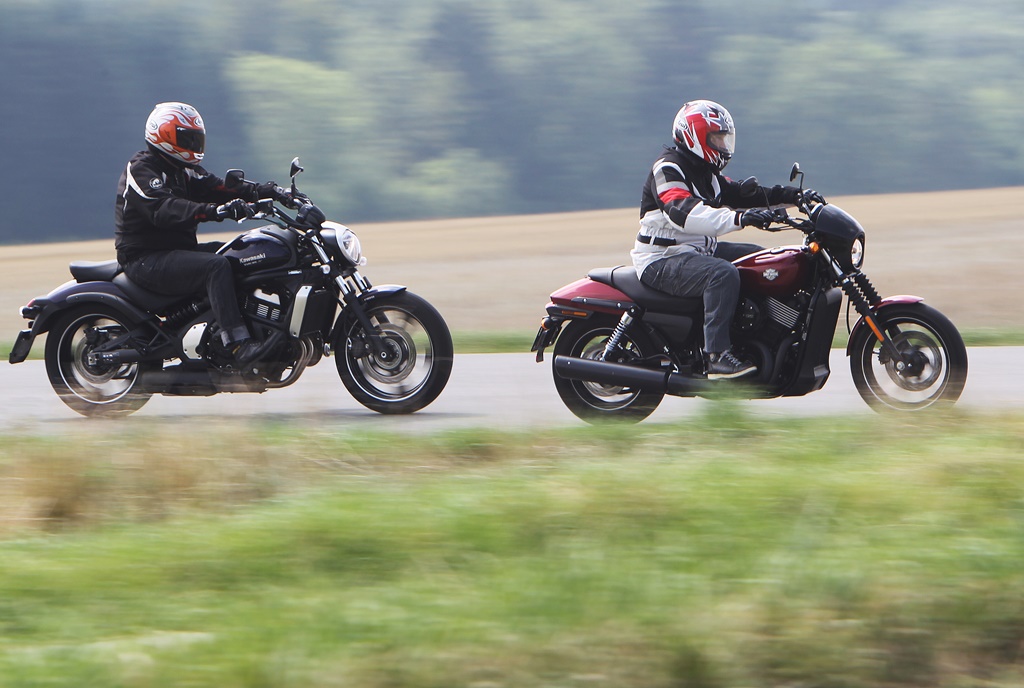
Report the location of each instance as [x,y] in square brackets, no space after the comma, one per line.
[791,195]
[234,210]
[794,195]
[272,190]
[756,217]
[812,196]
[309,214]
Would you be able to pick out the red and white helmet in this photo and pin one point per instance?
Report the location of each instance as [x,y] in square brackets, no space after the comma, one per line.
[706,129]
[177,130]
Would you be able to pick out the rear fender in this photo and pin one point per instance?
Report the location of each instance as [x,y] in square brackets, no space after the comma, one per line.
[879,308]
[44,310]
[72,294]
[587,295]
[577,301]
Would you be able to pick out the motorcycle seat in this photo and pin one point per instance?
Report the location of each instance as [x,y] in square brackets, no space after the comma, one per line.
[93,271]
[146,299]
[624,278]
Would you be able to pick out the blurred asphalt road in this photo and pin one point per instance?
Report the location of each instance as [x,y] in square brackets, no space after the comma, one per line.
[486,390]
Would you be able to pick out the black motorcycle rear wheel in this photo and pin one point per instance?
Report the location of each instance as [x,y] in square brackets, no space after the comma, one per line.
[95,390]
[934,348]
[416,362]
[592,401]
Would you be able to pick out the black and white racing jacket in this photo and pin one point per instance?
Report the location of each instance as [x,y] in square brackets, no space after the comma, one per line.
[686,206]
[160,204]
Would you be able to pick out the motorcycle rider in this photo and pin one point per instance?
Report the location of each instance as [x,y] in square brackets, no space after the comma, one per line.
[162,196]
[687,204]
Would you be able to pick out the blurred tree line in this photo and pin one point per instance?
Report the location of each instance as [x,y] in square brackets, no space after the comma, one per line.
[443,108]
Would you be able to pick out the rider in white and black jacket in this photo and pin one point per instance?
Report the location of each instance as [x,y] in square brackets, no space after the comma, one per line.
[163,195]
[687,204]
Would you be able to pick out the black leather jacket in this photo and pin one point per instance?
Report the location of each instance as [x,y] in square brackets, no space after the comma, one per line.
[160,204]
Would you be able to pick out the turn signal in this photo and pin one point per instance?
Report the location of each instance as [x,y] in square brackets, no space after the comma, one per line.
[814,247]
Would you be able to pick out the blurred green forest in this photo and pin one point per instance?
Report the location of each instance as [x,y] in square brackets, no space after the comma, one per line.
[415,109]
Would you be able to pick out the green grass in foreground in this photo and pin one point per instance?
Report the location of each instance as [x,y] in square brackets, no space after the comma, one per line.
[801,553]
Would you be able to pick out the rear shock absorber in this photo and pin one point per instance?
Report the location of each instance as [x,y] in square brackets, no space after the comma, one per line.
[618,333]
[182,315]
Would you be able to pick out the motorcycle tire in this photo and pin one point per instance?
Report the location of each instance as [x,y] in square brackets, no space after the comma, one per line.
[937,355]
[594,402]
[416,363]
[102,390]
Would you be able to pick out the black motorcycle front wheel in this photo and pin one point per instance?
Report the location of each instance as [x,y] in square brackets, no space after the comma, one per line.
[414,363]
[92,388]
[932,347]
[595,402]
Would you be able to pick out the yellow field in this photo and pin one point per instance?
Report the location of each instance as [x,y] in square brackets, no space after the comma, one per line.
[961,250]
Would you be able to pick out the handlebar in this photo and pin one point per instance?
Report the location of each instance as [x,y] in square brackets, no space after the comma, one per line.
[780,216]
[307,218]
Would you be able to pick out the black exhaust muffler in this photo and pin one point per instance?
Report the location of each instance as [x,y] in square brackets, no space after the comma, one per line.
[621,375]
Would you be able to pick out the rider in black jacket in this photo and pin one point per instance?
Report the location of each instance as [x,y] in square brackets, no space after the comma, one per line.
[163,195]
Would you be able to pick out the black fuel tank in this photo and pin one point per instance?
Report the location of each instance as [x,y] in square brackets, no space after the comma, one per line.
[262,248]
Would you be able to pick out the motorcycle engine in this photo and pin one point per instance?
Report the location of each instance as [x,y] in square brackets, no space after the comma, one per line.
[263,305]
[752,316]
[749,316]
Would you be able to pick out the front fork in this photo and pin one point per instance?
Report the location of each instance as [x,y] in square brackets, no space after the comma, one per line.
[351,287]
[864,297]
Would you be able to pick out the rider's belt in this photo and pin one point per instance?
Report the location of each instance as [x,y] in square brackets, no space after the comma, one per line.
[657,241]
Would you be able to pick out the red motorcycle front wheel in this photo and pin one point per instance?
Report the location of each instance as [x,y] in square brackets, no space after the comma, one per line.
[933,347]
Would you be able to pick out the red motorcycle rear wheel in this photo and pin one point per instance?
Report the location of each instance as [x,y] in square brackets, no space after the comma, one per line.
[595,402]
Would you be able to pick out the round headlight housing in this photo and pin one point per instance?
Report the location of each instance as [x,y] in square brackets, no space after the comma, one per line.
[350,247]
[857,252]
[345,241]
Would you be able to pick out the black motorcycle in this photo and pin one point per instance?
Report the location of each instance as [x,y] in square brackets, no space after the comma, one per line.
[112,344]
[620,346]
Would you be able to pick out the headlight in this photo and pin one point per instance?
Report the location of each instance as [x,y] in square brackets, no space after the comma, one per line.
[345,240]
[857,253]
[350,247]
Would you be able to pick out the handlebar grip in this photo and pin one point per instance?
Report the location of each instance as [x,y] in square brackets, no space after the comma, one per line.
[311,215]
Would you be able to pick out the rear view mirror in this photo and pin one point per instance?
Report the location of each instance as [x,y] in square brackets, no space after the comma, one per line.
[233,179]
[749,186]
[796,172]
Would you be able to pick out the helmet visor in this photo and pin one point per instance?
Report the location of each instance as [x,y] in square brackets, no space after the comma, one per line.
[723,142]
[191,139]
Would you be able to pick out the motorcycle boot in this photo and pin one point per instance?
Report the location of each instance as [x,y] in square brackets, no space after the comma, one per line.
[251,350]
[725,366]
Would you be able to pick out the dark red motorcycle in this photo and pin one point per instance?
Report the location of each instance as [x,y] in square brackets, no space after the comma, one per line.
[620,346]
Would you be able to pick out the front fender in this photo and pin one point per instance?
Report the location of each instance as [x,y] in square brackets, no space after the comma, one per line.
[379,291]
[879,308]
[364,299]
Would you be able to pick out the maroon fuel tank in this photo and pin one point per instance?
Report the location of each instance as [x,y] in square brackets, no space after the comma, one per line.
[777,272]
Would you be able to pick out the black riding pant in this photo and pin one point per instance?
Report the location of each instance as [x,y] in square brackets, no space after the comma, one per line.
[183,272]
[714,278]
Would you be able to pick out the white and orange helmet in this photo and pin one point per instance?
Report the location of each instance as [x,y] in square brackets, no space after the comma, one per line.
[706,129]
[177,130]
